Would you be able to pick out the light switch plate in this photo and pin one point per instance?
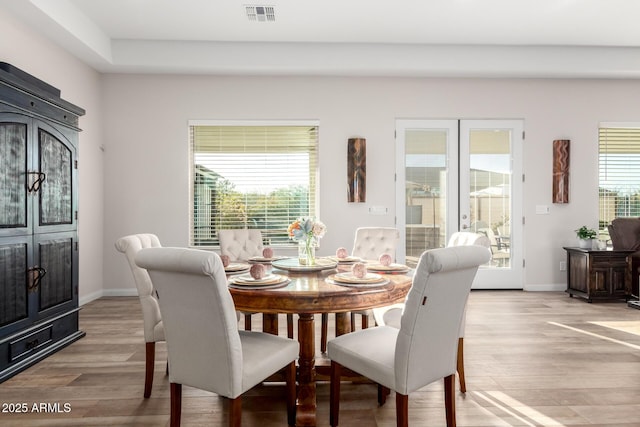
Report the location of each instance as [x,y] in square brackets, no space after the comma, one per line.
[378,210]
[542,210]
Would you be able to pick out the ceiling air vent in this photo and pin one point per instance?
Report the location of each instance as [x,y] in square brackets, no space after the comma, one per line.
[261,13]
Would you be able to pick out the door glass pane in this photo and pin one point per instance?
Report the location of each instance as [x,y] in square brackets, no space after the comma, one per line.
[490,190]
[425,189]
[56,204]
[13,175]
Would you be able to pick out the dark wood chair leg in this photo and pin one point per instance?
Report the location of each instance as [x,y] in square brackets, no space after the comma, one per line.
[290,325]
[290,378]
[235,412]
[150,359]
[176,404]
[450,399]
[324,328]
[247,321]
[383,393]
[334,394]
[365,321]
[166,371]
[460,365]
[402,410]
[353,322]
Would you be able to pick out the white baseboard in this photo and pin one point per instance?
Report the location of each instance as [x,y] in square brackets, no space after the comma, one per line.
[107,293]
[88,298]
[124,292]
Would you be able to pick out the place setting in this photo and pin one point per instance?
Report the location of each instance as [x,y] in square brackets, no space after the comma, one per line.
[358,276]
[384,265]
[233,267]
[267,257]
[258,278]
[342,257]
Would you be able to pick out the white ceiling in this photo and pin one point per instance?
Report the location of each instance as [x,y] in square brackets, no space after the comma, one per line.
[459,38]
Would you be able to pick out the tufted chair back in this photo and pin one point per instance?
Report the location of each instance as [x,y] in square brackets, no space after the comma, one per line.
[240,244]
[130,245]
[152,320]
[371,242]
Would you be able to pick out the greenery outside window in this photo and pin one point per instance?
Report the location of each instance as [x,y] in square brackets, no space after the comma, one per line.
[259,175]
[619,167]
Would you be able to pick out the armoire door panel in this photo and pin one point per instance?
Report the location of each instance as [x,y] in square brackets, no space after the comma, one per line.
[56,167]
[13,175]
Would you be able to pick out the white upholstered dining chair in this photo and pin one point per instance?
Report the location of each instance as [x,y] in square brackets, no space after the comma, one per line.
[153,328]
[423,349]
[369,243]
[206,349]
[241,244]
[391,315]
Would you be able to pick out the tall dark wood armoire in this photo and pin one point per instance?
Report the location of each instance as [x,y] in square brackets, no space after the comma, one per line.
[38,221]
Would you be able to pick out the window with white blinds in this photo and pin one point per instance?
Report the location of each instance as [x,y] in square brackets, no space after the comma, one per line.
[261,176]
[619,167]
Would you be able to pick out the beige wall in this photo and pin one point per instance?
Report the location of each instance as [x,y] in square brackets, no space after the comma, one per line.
[147,163]
[79,85]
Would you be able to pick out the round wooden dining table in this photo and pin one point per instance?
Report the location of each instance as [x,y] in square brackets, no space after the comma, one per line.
[309,293]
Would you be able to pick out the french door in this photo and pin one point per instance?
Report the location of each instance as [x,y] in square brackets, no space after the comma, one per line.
[462,175]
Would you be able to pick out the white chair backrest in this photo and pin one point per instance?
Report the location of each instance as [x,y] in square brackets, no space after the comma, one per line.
[240,244]
[199,318]
[371,242]
[426,348]
[130,245]
[466,238]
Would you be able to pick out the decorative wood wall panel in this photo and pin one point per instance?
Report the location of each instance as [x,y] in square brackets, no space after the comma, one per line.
[560,190]
[357,170]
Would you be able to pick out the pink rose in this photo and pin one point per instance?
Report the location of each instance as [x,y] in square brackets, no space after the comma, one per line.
[342,253]
[359,270]
[225,260]
[385,259]
[257,271]
[267,252]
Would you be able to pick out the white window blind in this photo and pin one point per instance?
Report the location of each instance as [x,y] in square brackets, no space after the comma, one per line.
[251,176]
[619,167]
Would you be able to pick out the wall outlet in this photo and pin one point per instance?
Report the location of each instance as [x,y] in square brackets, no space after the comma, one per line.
[563,265]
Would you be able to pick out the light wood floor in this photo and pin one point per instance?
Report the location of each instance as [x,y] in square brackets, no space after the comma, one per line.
[532,359]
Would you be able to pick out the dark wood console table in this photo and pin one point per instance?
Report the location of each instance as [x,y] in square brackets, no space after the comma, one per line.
[599,274]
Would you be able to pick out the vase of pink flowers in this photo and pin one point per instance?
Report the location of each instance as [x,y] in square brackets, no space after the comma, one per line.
[307,232]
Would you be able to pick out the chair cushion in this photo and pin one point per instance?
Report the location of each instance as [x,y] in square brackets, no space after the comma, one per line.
[370,352]
[264,354]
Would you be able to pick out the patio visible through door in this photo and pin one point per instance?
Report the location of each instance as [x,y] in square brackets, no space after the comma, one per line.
[462,175]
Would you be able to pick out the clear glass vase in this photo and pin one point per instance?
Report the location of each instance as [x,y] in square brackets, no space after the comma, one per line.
[307,252]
